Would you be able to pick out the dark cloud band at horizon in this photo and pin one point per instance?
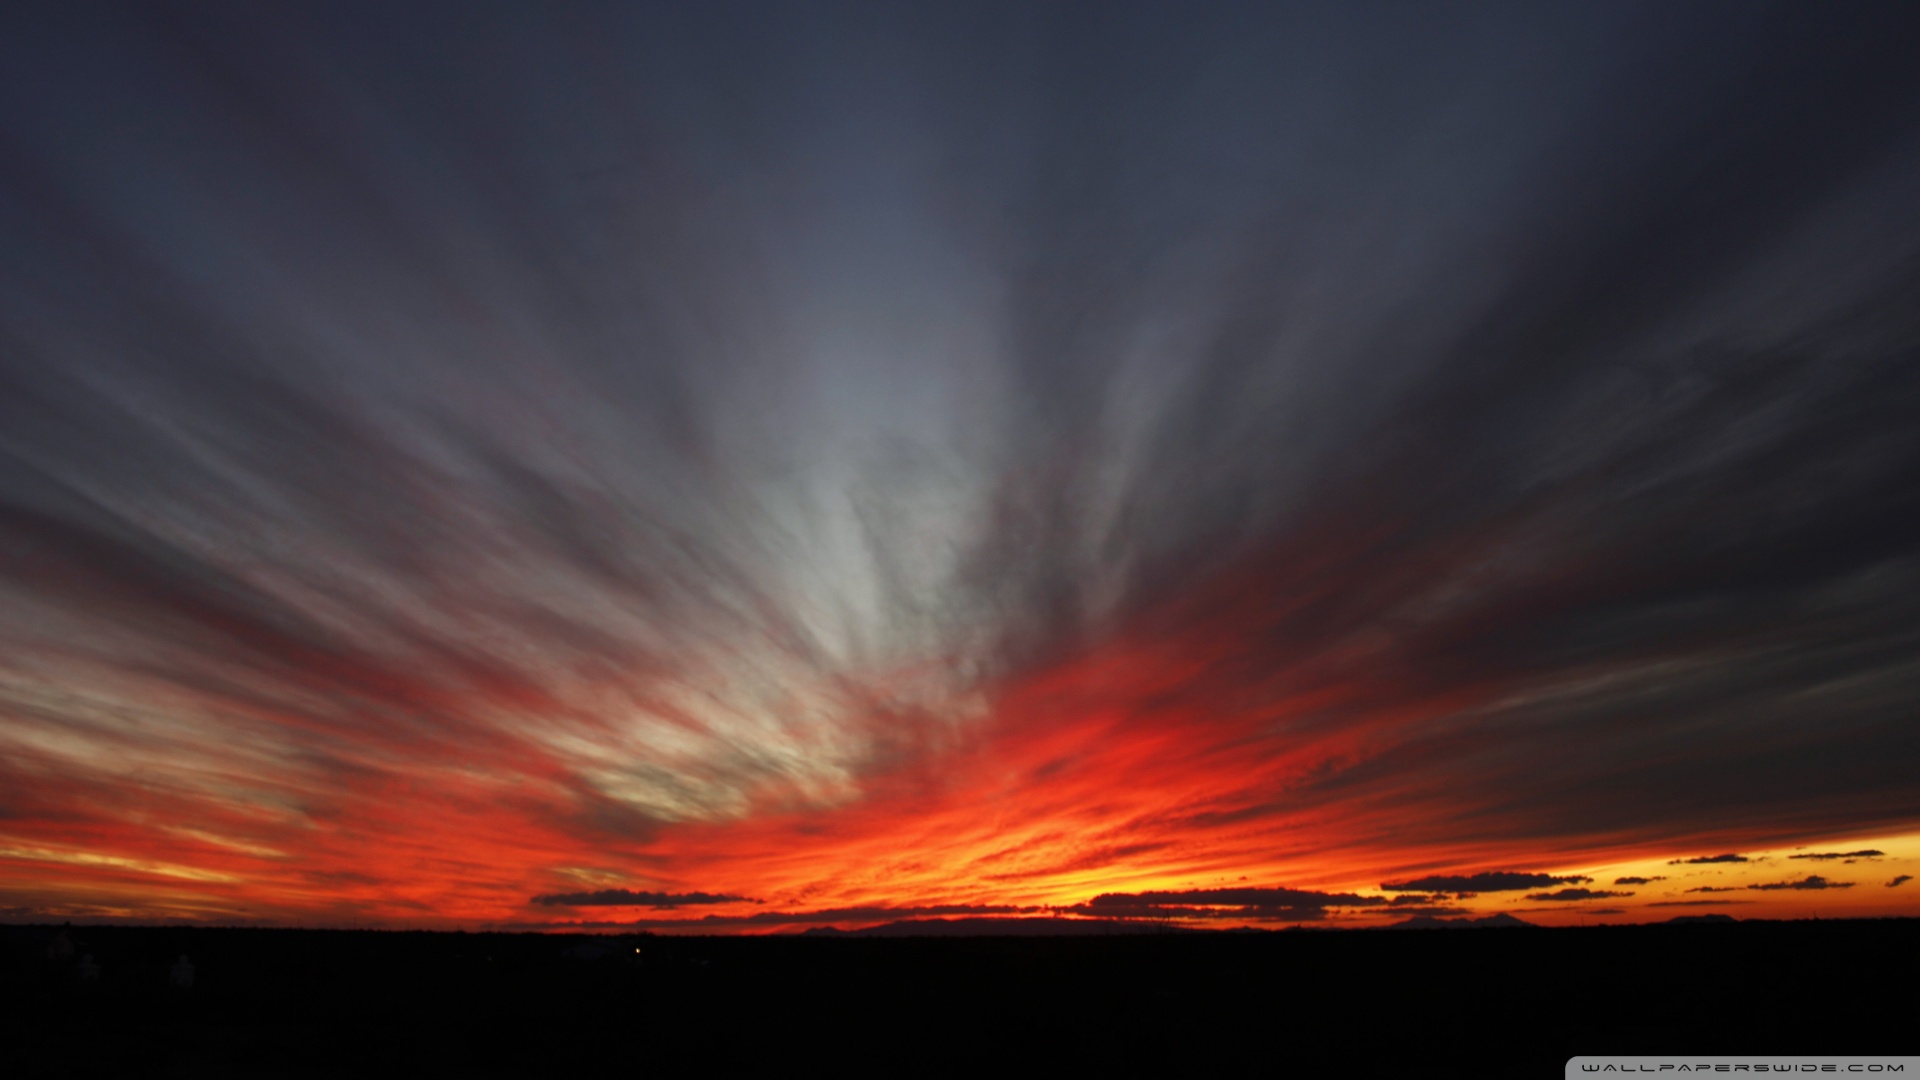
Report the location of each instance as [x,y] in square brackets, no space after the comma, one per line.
[630,898]
[1488,881]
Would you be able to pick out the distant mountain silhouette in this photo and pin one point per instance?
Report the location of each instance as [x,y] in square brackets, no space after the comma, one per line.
[989,926]
[1429,922]
[1714,918]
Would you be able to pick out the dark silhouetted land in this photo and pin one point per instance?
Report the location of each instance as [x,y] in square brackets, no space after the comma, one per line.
[1483,1002]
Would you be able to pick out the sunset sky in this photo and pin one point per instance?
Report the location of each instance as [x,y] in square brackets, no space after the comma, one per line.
[761,466]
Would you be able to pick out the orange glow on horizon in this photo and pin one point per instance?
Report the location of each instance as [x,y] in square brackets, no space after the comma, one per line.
[1098,777]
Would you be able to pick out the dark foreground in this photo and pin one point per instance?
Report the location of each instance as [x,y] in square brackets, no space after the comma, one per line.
[1510,1002]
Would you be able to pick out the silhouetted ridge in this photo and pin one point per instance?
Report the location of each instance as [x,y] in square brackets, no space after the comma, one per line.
[1489,922]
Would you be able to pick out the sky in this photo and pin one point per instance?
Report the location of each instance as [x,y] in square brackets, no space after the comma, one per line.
[748,467]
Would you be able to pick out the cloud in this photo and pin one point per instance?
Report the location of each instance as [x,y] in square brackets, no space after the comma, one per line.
[1637,880]
[1491,881]
[1811,881]
[1577,894]
[628,898]
[1900,880]
[1848,855]
[1696,903]
[990,926]
[1238,897]
[1729,858]
[1230,903]
[764,920]
[1714,888]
